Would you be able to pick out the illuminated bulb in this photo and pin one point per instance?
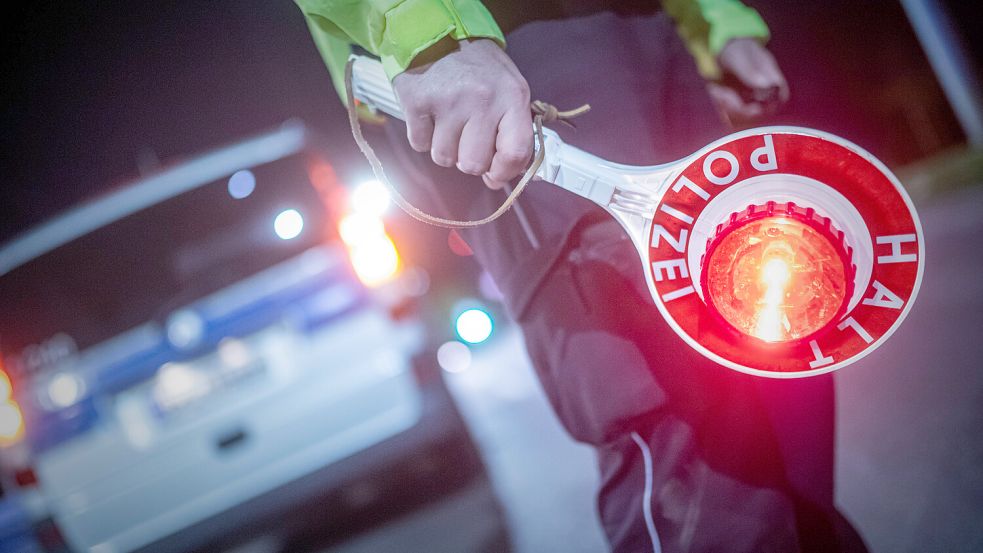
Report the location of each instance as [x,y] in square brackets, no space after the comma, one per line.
[777,277]
[775,274]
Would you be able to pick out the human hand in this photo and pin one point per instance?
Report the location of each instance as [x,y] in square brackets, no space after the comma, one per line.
[752,85]
[469,107]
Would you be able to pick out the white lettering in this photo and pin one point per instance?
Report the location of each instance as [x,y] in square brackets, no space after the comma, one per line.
[861,331]
[669,266]
[896,256]
[675,294]
[883,297]
[708,167]
[768,152]
[677,214]
[821,360]
[684,182]
[659,231]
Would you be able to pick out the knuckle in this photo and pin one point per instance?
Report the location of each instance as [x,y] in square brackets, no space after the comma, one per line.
[440,101]
[418,137]
[419,144]
[445,97]
[413,106]
[483,93]
[519,89]
[417,103]
[514,156]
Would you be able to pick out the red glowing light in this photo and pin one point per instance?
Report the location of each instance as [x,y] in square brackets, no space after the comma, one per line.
[778,274]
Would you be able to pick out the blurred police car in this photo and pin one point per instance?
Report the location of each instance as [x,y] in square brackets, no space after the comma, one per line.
[196,355]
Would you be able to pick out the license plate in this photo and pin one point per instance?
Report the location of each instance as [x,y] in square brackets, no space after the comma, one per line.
[179,385]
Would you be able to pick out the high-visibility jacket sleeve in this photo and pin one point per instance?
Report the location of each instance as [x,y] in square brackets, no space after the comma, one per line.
[398,30]
[394,30]
[707,25]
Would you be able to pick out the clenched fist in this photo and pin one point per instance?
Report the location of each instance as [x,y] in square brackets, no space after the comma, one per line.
[469,108]
[753,84]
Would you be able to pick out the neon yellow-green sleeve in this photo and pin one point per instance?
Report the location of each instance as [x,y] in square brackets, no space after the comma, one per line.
[707,25]
[394,30]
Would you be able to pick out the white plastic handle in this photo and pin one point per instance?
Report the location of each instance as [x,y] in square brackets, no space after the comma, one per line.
[371,86]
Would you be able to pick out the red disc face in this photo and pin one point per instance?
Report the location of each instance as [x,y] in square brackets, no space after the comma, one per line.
[775,294]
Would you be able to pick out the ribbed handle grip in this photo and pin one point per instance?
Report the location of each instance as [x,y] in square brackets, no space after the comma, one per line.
[370,85]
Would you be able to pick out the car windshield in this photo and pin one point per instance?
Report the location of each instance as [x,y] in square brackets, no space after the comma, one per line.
[143,266]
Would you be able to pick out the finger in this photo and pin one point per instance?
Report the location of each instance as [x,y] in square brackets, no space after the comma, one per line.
[513,146]
[749,71]
[771,74]
[747,112]
[446,137]
[783,91]
[493,184]
[477,147]
[718,102]
[726,98]
[419,131]
[730,103]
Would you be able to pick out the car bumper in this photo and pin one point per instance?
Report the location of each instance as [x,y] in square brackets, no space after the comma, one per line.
[413,478]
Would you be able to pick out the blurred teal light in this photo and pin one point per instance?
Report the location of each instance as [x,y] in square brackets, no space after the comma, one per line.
[474,326]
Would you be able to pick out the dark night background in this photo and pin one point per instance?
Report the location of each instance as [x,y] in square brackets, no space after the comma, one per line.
[92,91]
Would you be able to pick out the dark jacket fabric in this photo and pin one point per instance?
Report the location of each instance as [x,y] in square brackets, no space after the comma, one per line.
[693,456]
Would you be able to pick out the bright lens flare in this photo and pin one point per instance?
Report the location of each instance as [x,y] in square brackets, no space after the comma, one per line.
[11,422]
[371,198]
[375,259]
[474,326]
[777,278]
[288,224]
[64,390]
[6,390]
[359,227]
[372,251]
[11,419]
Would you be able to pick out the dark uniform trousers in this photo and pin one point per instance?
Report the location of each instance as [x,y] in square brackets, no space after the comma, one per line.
[693,456]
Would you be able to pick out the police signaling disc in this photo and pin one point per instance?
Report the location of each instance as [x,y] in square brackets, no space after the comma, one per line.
[784,253]
[778,251]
